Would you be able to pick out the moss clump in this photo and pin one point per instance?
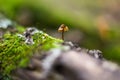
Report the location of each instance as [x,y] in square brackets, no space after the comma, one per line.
[14,53]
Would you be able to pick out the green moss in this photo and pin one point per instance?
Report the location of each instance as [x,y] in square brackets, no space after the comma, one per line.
[14,53]
[20,28]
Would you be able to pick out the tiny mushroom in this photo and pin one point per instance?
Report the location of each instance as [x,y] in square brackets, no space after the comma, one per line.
[63,28]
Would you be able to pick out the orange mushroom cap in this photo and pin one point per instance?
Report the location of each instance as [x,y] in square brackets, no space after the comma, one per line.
[63,28]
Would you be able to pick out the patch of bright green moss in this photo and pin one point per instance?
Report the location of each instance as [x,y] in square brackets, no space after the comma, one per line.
[14,53]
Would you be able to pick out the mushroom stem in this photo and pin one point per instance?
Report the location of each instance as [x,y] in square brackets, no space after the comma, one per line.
[62,35]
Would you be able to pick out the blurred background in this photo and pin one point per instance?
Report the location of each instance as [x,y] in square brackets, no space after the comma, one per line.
[93,24]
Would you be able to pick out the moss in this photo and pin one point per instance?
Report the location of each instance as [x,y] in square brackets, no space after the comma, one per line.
[14,53]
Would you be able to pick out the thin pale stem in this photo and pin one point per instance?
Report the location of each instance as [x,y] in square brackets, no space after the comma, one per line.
[62,35]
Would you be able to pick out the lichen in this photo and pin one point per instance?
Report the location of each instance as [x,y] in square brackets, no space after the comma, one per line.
[15,53]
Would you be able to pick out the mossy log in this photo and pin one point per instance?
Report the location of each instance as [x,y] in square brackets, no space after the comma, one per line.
[16,49]
[34,55]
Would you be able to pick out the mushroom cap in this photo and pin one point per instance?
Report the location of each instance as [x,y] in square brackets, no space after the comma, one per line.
[63,28]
